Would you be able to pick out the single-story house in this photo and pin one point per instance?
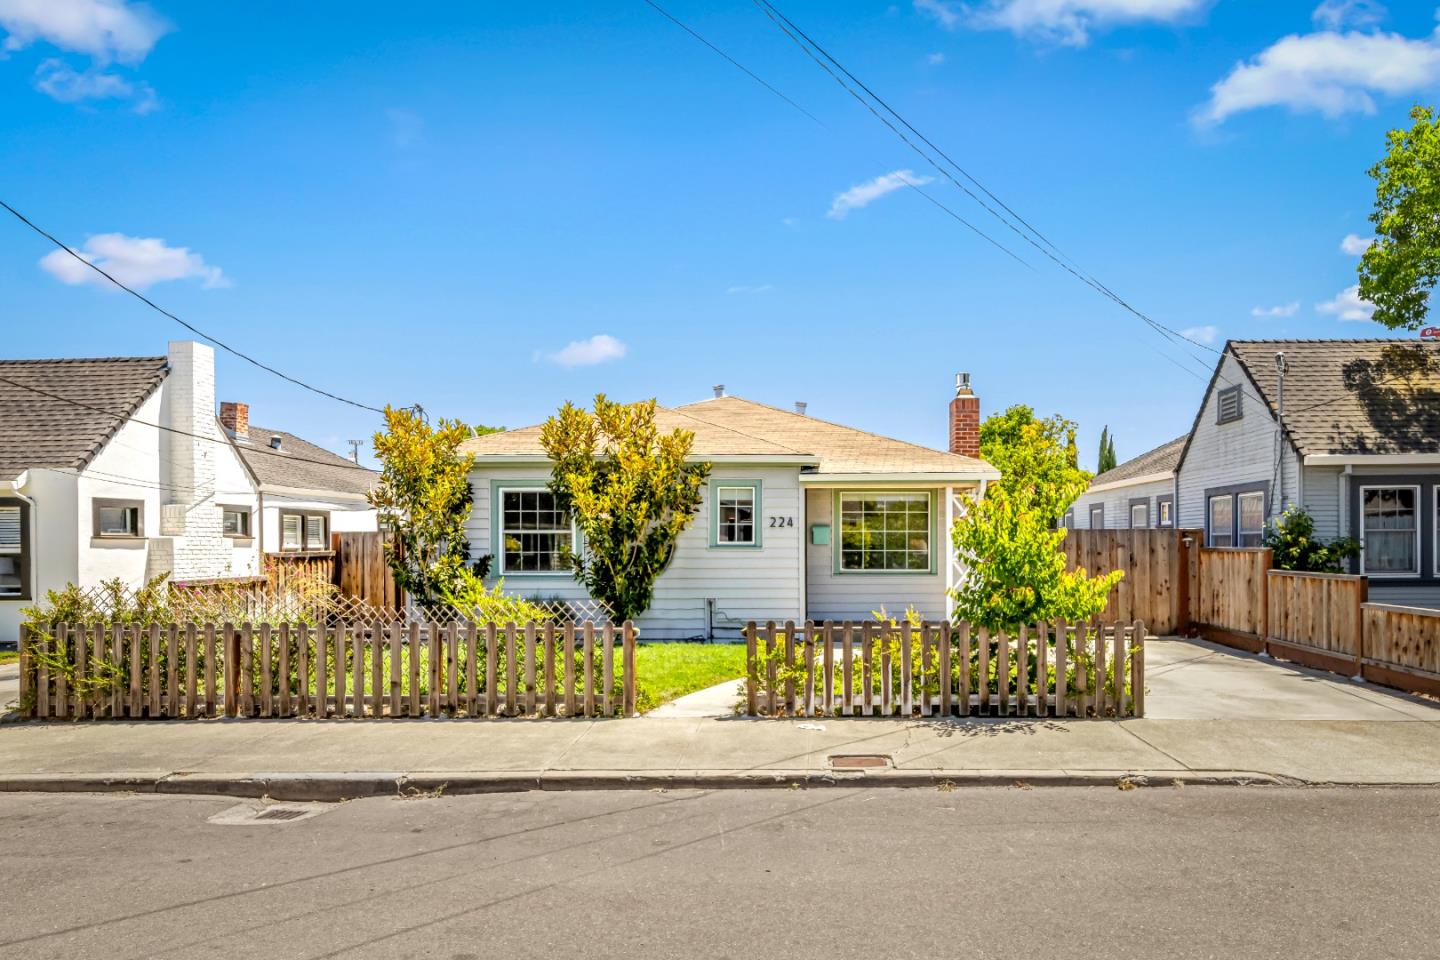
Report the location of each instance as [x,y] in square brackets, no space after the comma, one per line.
[802,518]
[119,468]
[1138,493]
[1348,429]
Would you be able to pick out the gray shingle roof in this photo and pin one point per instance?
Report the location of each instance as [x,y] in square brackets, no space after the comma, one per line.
[293,464]
[39,431]
[1351,396]
[1162,459]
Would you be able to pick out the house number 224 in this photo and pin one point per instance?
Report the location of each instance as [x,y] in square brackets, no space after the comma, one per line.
[782,521]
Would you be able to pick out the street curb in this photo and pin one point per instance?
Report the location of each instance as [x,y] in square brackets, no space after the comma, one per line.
[350,786]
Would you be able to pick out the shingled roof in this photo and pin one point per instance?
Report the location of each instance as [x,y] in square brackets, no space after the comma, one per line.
[735,427]
[1163,459]
[1351,396]
[91,400]
[300,465]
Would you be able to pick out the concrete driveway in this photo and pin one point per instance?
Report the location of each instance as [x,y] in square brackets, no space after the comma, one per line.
[1197,680]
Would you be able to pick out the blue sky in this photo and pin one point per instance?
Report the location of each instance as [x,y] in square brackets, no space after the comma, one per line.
[491,208]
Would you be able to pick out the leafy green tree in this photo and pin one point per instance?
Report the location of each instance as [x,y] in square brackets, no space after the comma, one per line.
[1035,455]
[1291,538]
[1015,570]
[424,498]
[631,492]
[1399,270]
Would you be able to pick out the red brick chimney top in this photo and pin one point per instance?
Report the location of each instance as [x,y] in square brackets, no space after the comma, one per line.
[235,418]
[965,419]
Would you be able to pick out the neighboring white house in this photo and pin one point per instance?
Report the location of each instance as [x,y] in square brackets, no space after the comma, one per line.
[1348,429]
[1138,493]
[801,518]
[118,468]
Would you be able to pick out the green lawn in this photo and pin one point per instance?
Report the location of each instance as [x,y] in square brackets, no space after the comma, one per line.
[665,671]
[9,656]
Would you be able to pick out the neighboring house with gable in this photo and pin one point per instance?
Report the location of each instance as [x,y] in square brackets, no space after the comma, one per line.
[800,519]
[1136,494]
[118,468]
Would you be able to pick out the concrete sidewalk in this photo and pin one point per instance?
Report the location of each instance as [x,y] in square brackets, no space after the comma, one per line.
[1213,716]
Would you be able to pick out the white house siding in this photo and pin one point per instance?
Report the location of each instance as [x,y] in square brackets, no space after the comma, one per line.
[1240,452]
[55,545]
[234,488]
[346,516]
[133,452]
[854,596]
[744,583]
[1117,504]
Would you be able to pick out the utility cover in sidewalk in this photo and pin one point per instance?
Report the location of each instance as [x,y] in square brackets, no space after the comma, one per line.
[858,761]
[244,814]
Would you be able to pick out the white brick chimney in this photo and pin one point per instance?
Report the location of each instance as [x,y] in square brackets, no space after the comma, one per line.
[189,450]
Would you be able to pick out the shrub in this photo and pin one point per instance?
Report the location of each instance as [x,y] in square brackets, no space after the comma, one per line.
[1291,538]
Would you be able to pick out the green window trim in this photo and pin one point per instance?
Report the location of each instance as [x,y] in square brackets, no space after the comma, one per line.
[497,530]
[837,539]
[756,514]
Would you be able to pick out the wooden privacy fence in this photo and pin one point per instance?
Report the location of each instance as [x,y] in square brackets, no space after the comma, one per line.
[945,669]
[1316,618]
[361,570]
[358,669]
[1156,585]
[1229,595]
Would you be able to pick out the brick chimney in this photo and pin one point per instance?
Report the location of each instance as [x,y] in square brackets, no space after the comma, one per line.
[235,418]
[964,419]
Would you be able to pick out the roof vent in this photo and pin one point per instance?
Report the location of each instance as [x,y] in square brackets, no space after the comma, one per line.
[800,407]
[962,384]
[719,389]
[275,441]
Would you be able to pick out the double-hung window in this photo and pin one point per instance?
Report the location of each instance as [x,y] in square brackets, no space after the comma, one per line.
[1251,529]
[885,532]
[1097,517]
[14,552]
[535,533]
[1222,521]
[1165,512]
[737,509]
[1140,515]
[1390,531]
[308,532]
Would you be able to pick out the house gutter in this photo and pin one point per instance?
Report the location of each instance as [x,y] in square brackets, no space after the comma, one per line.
[20,481]
[1132,481]
[892,479]
[313,494]
[1373,460]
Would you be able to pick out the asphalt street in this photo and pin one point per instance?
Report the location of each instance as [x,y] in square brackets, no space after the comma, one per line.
[1195,872]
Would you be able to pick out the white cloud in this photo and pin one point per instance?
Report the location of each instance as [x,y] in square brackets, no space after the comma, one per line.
[1338,14]
[1347,305]
[587,353]
[106,30]
[761,288]
[864,194]
[1329,73]
[1355,245]
[1205,334]
[1066,22]
[1283,310]
[137,262]
[935,59]
[59,80]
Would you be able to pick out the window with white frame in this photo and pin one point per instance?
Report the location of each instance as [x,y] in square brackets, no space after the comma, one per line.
[1222,521]
[119,518]
[308,532]
[535,533]
[1251,529]
[1139,516]
[735,509]
[1165,512]
[235,522]
[12,551]
[1069,521]
[1097,517]
[1390,531]
[885,532]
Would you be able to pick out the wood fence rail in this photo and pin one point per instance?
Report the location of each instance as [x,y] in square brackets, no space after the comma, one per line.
[1315,618]
[357,669]
[872,668]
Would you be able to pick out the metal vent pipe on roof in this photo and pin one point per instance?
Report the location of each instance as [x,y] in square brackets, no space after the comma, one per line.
[800,407]
[719,389]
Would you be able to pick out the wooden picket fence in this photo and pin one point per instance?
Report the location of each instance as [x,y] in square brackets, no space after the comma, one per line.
[355,669]
[945,669]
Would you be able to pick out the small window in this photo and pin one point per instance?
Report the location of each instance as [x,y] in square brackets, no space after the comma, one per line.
[1139,516]
[236,522]
[290,532]
[1227,405]
[1252,518]
[536,535]
[14,552]
[119,518]
[308,532]
[1069,521]
[887,532]
[736,508]
[1164,510]
[1222,521]
[1097,517]
[9,529]
[315,533]
[1390,530]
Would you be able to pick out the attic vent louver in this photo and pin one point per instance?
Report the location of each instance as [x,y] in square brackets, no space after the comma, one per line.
[275,442]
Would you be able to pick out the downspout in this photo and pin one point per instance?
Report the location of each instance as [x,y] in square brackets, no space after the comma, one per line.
[260,537]
[34,545]
[1279,498]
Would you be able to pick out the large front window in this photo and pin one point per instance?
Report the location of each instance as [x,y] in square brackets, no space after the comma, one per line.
[536,533]
[735,509]
[1390,530]
[885,532]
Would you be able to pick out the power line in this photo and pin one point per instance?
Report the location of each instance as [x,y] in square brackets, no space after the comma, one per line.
[266,451]
[193,329]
